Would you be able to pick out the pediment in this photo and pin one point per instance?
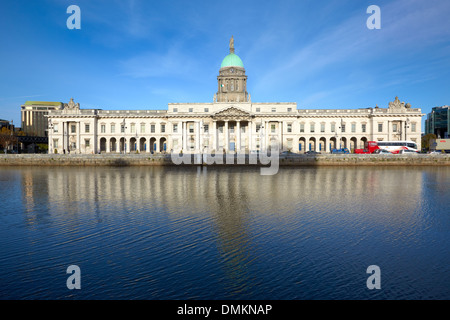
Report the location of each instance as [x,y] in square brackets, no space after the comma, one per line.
[232,112]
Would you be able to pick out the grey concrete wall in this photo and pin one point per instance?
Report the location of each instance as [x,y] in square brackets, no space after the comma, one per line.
[161,160]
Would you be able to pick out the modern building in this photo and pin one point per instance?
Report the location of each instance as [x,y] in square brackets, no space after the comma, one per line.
[438,122]
[33,116]
[230,123]
[5,124]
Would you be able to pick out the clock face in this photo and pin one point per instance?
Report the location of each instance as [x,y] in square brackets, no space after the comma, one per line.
[232,70]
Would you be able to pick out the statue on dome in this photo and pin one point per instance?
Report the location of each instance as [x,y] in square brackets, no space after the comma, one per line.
[232,45]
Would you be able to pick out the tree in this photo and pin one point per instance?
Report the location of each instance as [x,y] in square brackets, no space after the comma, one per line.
[426,140]
[7,138]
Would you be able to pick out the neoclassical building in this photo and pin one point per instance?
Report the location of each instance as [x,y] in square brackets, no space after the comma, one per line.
[230,123]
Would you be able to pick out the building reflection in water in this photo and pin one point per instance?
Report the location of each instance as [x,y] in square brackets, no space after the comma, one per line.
[238,204]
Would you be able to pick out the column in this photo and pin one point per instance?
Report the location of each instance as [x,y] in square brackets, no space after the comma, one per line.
[215,135]
[250,144]
[197,137]
[280,135]
[108,145]
[184,125]
[79,138]
[64,129]
[238,142]
[227,145]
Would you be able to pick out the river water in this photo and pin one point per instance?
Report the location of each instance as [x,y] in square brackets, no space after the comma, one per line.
[225,233]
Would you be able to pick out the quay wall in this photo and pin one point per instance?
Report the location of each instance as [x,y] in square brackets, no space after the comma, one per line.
[165,160]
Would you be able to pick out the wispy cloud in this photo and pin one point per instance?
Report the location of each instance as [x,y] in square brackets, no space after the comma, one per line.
[408,27]
[21,97]
[174,62]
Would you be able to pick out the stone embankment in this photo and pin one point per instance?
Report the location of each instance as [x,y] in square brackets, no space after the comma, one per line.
[165,160]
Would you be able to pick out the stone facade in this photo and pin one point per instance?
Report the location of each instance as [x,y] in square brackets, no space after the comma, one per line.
[231,123]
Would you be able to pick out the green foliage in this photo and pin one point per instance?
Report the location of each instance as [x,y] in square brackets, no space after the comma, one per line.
[43,146]
[426,139]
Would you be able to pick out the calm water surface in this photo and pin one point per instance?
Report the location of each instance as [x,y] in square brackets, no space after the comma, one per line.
[225,233]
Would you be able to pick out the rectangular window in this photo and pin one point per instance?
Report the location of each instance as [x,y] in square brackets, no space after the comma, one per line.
[258,127]
[312,128]
[73,128]
[289,127]
[175,109]
[133,128]
[87,143]
[231,128]
[333,127]
[206,128]
[258,109]
[103,128]
[113,128]
[206,109]
[86,128]
[175,128]
[343,127]
[152,128]
[363,127]
[55,143]
[191,109]
[289,109]
[191,128]
[394,127]
[302,127]
[289,143]
[274,109]
[55,128]
[272,128]
[353,127]
[413,127]
[380,127]
[122,128]
[163,128]
[142,127]
[322,127]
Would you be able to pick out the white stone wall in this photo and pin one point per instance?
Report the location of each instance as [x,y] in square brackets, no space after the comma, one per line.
[146,130]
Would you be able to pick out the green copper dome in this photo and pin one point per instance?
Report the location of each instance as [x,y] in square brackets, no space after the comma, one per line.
[232,60]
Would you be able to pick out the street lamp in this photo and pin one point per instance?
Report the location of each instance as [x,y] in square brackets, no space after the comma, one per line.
[50,127]
[407,122]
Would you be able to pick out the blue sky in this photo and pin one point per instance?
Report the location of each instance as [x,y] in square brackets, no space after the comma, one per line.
[144,54]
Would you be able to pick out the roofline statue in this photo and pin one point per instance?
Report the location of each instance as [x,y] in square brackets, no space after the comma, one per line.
[232,45]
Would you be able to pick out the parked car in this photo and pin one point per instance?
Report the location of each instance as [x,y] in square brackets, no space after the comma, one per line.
[312,152]
[381,151]
[435,152]
[340,151]
[407,152]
